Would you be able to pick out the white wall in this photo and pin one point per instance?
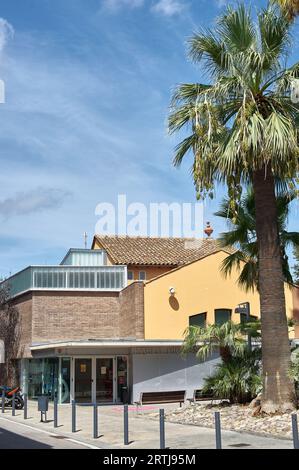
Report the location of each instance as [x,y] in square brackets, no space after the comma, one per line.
[167,372]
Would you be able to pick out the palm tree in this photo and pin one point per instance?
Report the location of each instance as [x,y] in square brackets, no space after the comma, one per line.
[242,237]
[288,7]
[243,129]
[237,376]
[238,380]
[228,339]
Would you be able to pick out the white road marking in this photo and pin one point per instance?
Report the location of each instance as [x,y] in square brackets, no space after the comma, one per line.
[50,434]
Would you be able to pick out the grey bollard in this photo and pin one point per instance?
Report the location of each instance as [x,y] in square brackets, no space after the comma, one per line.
[218,430]
[162,429]
[25,406]
[95,421]
[13,405]
[126,425]
[3,401]
[55,412]
[295,431]
[73,416]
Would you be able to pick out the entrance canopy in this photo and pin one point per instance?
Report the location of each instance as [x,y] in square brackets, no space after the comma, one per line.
[92,344]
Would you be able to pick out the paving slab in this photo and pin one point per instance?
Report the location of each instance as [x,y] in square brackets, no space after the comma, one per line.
[143,429]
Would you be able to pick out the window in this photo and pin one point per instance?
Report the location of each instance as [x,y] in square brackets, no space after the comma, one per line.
[222,315]
[243,318]
[198,320]
[142,276]
[130,276]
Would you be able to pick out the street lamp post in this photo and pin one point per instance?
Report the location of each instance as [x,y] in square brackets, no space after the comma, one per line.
[244,309]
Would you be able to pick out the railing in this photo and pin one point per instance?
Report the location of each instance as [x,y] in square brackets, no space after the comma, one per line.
[113,278]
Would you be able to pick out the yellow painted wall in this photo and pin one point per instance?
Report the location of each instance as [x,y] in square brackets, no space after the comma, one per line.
[200,287]
[97,246]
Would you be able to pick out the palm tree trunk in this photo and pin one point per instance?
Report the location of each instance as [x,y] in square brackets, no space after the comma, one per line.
[278,388]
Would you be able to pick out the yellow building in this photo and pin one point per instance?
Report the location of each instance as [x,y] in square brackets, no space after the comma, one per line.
[183,283]
[107,324]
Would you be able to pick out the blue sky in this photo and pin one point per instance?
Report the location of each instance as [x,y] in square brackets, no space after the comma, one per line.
[88,84]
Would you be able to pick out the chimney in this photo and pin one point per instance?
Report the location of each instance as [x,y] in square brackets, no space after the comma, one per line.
[208,230]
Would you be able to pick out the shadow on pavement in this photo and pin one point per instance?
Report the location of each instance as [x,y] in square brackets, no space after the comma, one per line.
[10,440]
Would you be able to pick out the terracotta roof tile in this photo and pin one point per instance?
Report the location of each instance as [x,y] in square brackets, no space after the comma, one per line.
[157,251]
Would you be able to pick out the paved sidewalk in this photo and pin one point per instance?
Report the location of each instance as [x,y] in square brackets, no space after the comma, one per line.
[143,431]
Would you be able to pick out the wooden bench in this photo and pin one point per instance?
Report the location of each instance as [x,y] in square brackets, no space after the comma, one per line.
[176,396]
[198,395]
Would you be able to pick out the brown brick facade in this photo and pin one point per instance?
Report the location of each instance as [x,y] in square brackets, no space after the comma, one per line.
[65,316]
[49,316]
[131,320]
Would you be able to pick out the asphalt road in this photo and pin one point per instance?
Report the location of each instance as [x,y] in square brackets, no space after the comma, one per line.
[16,436]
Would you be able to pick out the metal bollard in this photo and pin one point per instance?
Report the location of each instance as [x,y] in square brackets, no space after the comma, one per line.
[218,430]
[162,429]
[3,401]
[13,405]
[126,425]
[25,406]
[295,431]
[73,416]
[95,421]
[55,412]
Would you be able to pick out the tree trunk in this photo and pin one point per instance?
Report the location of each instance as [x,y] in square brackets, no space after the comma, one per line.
[225,353]
[278,388]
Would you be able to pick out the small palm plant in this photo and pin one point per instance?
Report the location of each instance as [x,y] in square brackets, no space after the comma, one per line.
[242,237]
[228,339]
[238,380]
[294,368]
[237,376]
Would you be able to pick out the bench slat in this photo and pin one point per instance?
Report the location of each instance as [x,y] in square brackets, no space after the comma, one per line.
[160,397]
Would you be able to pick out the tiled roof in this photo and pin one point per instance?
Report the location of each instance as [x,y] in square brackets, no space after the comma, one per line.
[157,251]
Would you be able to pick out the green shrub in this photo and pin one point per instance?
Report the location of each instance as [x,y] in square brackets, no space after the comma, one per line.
[238,380]
[294,369]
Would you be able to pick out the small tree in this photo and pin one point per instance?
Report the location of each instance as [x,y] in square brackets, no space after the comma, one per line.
[237,377]
[10,334]
[238,380]
[227,339]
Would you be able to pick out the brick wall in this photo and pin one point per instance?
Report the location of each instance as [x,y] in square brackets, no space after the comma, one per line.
[24,307]
[69,315]
[131,320]
[45,316]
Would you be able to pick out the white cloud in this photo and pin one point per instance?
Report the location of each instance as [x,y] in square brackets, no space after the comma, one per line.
[168,7]
[36,200]
[6,31]
[117,4]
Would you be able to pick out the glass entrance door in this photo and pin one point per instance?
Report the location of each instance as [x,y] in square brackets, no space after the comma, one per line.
[122,379]
[104,379]
[83,380]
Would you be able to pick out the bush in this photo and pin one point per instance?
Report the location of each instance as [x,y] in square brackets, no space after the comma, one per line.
[294,369]
[238,380]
